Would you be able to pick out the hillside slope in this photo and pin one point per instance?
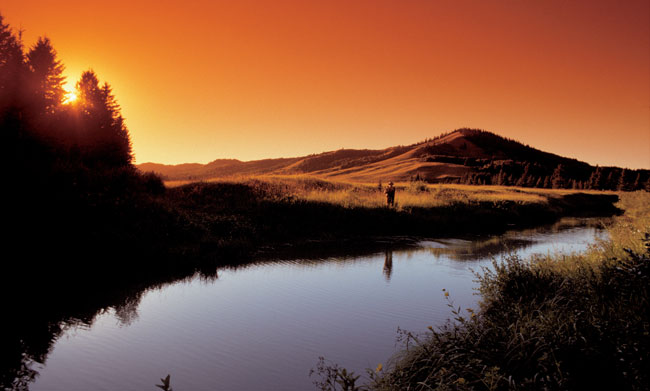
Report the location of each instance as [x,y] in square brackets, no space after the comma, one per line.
[462,156]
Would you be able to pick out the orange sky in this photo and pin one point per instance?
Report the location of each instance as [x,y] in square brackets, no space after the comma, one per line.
[250,79]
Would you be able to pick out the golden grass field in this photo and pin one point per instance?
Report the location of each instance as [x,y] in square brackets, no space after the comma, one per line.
[408,194]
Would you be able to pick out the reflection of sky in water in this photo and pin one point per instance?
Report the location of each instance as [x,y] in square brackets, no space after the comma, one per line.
[264,326]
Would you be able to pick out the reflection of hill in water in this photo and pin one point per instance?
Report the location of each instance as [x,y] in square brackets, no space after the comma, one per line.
[465,250]
[512,241]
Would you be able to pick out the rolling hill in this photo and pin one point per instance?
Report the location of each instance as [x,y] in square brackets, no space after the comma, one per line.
[461,156]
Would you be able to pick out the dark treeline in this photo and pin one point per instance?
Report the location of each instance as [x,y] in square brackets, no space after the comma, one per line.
[61,159]
[527,174]
[39,128]
[506,162]
[76,210]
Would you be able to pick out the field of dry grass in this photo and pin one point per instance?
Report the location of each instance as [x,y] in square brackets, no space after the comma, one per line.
[408,195]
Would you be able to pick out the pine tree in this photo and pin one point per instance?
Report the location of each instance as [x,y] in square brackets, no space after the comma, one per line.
[500,178]
[557,179]
[12,69]
[595,180]
[88,92]
[622,184]
[611,182]
[108,136]
[46,77]
[637,182]
[523,180]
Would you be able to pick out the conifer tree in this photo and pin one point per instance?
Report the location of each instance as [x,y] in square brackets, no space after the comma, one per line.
[622,184]
[12,68]
[595,180]
[523,180]
[637,182]
[46,77]
[108,136]
[557,179]
[610,182]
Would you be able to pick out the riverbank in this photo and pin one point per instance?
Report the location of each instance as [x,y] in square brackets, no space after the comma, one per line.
[251,216]
[205,224]
[554,322]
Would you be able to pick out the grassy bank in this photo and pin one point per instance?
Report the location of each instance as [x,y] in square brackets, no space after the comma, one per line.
[550,323]
[258,213]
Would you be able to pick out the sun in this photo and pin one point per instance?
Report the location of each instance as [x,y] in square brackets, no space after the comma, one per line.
[70,95]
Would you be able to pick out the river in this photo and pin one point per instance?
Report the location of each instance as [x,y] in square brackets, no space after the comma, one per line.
[263,326]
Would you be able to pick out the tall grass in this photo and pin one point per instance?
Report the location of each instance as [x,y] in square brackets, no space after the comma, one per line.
[409,194]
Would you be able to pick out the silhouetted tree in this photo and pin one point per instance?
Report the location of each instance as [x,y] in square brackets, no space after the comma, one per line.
[46,77]
[12,70]
[12,63]
[108,137]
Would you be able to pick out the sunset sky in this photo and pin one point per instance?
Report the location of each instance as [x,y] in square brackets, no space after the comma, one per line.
[244,79]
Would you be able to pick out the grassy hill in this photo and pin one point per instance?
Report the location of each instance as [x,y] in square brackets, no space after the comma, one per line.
[468,156]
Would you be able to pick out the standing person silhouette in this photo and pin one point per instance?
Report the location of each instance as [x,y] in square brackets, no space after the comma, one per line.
[390,194]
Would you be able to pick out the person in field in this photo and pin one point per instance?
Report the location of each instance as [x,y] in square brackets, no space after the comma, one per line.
[390,194]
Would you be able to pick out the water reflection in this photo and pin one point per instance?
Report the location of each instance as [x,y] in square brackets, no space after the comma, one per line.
[569,232]
[271,318]
[388,264]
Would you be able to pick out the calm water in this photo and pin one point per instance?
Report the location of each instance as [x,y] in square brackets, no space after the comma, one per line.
[263,327]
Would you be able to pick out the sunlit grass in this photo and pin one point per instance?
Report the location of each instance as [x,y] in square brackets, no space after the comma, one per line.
[408,195]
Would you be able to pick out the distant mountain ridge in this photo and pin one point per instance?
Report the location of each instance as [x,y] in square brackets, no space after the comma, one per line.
[469,156]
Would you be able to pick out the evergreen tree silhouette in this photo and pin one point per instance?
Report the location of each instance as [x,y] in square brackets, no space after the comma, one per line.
[46,77]
[107,136]
[12,67]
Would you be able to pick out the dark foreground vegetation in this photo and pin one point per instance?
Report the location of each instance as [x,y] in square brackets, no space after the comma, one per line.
[578,322]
